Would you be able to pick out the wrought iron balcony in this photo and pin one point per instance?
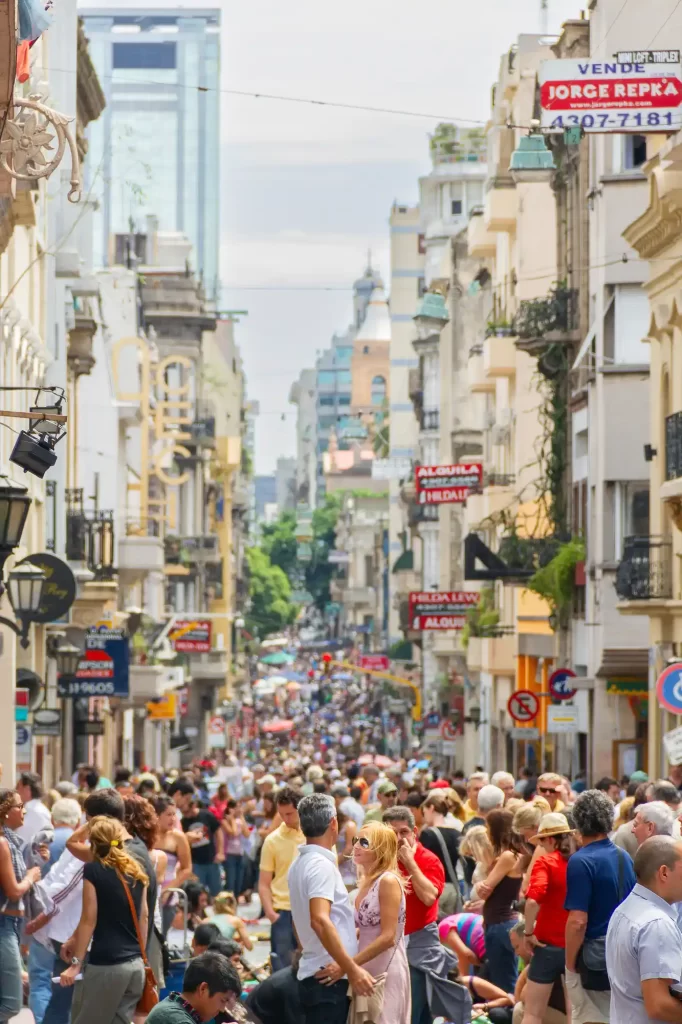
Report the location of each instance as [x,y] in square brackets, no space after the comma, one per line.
[645,572]
[555,316]
[422,514]
[673,446]
[203,429]
[430,419]
[90,540]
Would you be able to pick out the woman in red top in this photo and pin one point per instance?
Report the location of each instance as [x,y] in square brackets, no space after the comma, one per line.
[545,917]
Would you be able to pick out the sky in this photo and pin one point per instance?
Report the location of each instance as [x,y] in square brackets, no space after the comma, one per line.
[307,189]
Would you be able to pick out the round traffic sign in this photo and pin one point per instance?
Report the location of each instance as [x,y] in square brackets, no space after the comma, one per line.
[23,735]
[559,684]
[669,688]
[448,731]
[523,706]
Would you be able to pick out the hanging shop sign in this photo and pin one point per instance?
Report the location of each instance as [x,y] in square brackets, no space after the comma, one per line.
[648,56]
[192,636]
[47,722]
[393,468]
[376,662]
[216,735]
[610,96]
[164,709]
[430,609]
[104,669]
[441,485]
[59,591]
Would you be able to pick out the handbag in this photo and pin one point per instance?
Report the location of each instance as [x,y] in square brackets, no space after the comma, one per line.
[150,992]
[592,956]
[450,900]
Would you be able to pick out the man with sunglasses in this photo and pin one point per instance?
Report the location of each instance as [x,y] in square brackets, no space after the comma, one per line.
[549,787]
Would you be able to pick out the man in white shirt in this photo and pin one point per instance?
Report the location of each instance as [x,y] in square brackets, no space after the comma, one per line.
[36,814]
[323,917]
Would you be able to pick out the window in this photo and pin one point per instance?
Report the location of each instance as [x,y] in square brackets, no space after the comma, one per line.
[343,378]
[378,390]
[421,287]
[327,399]
[343,355]
[144,55]
[326,379]
[456,207]
[343,399]
[365,350]
[634,153]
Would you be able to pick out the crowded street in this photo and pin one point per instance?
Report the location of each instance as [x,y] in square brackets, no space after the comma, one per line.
[341,512]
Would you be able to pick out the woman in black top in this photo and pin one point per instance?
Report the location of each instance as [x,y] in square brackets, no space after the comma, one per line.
[113,978]
[500,891]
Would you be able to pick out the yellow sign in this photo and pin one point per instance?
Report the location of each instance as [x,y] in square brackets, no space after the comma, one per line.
[164,708]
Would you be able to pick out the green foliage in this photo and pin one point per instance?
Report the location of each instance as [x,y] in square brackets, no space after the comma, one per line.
[278,541]
[246,462]
[556,580]
[270,595]
[364,492]
[319,572]
[482,619]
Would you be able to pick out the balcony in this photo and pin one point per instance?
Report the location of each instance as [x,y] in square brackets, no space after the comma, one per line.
[481,241]
[500,205]
[90,541]
[359,597]
[552,320]
[422,514]
[485,505]
[645,571]
[430,419]
[499,356]
[147,682]
[478,380]
[203,428]
[141,550]
[199,550]
[209,667]
[81,336]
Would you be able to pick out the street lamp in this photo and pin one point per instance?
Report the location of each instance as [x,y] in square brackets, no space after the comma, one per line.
[14,505]
[25,588]
[531,161]
[68,658]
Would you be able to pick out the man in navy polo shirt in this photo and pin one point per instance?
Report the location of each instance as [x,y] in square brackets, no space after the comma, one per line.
[598,878]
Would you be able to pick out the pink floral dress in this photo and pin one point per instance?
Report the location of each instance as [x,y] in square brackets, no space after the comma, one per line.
[392,963]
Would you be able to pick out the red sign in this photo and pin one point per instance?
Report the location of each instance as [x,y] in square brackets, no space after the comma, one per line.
[623,93]
[95,665]
[430,609]
[193,635]
[448,730]
[440,485]
[376,662]
[523,706]
[559,684]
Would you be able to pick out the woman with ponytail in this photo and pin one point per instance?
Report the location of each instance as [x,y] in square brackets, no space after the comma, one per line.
[114,976]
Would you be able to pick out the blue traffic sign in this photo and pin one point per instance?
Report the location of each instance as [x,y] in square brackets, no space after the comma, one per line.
[669,688]
[23,735]
[559,685]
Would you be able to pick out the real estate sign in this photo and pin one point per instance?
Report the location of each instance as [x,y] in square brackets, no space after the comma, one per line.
[430,609]
[440,485]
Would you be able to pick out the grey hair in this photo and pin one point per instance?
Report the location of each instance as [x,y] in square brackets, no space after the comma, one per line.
[655,853]
[593,813]
[316,813]
[658,812]
[479,777]
[490,798]
[66,812]
[499,777]
[665,791]
[398,814]
[66,788]
[519,929]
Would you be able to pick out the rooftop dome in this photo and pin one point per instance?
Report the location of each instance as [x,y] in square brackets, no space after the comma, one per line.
[377,323]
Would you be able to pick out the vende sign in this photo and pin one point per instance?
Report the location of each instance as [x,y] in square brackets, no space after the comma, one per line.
[610,97]
[441,485]
[375,662]
[430,609]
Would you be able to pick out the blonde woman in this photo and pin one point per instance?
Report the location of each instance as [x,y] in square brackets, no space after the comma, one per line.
[380,918]
[476,846]
[526,823]
[226,918]
[113,979]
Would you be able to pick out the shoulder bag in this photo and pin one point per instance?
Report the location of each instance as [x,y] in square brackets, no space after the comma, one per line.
[150,992]
[450,900]
[592,956]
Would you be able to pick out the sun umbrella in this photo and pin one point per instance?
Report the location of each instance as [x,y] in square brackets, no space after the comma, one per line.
[380,760]
[280,725]
[278,659]
[277,680]
[422,765]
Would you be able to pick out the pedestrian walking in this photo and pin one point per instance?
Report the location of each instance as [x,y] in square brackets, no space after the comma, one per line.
[477,780]
[500,891]
[36,813]
[201,827]
[235,832]
[643,942]
[598,878]
[174,843]
[323,918]
[113,884]
[15,882]
[280,849]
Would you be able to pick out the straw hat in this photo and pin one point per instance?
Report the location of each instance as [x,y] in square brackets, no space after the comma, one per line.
[552,824]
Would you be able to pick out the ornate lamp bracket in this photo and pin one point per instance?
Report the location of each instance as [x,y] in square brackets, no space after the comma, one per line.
[25,138]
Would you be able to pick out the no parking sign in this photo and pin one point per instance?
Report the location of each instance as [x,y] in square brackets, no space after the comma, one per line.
[669,688]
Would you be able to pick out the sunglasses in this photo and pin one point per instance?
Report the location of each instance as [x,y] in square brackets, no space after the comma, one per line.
[361,841]
[549,790]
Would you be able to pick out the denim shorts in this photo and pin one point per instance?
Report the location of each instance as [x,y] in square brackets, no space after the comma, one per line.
[547,964]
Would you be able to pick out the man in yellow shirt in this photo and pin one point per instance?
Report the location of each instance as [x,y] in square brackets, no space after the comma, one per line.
[549,787]
[280,849]
[477,780]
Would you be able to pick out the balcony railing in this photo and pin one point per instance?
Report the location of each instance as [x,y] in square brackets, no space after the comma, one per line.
[645,572]
[430,419]
[90,540]
[203,427]
[673,446]
[422,514]
[494,479]
[558,311]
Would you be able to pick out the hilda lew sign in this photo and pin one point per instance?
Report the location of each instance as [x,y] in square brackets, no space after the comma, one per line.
[441,485]
[430,609]
[612,95]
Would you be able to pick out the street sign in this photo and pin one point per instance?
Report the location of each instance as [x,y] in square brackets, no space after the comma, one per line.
[21,702]
[559,684]
[648,56]
[432,720]
[393,468]
[672,741]
[24,750]
[375,662]
[47,722]
[164,708]
[608,96]
[441,485]
[669,688]
[448,731]
[430,609]
[191,635]
[523,706]
[526,735]
[104,668]
[562,718]
[448,748]
[216,732]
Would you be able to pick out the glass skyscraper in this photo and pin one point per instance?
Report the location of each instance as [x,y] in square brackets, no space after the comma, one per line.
[155,149]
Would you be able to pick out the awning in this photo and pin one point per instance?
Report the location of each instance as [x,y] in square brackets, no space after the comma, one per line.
[628,687]
[404,562]
[621,663]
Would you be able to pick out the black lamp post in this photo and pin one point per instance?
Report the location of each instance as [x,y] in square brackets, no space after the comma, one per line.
[14,505]
[25,588]
[68,658]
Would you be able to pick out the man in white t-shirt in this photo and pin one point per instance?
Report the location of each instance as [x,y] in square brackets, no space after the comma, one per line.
[323,917]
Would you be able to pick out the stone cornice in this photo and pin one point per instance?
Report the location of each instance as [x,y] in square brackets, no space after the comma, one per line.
[661,223]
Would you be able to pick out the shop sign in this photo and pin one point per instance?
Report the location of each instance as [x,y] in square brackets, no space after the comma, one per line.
[89,727]
[562,718]
[430,609]
[163,709]
[374,662]
[21,695]
[104,668]
[610,96]
[393,468]
[442,485]
[192,636]
[47,722]
[59,591]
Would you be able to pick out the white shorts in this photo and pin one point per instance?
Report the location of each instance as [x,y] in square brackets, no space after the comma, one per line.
[587,1007]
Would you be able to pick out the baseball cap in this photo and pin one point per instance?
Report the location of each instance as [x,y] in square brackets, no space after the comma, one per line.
[440,784]
[386,788]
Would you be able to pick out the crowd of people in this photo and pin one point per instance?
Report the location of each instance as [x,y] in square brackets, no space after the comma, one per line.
[393,895]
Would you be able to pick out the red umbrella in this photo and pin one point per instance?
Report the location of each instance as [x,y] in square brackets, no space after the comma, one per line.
[281,725]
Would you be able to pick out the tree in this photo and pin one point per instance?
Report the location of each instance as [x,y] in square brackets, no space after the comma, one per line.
[270,595]
[319,571]
[278,541]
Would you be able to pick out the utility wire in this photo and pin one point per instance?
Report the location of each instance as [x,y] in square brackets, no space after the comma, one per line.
[664,23]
